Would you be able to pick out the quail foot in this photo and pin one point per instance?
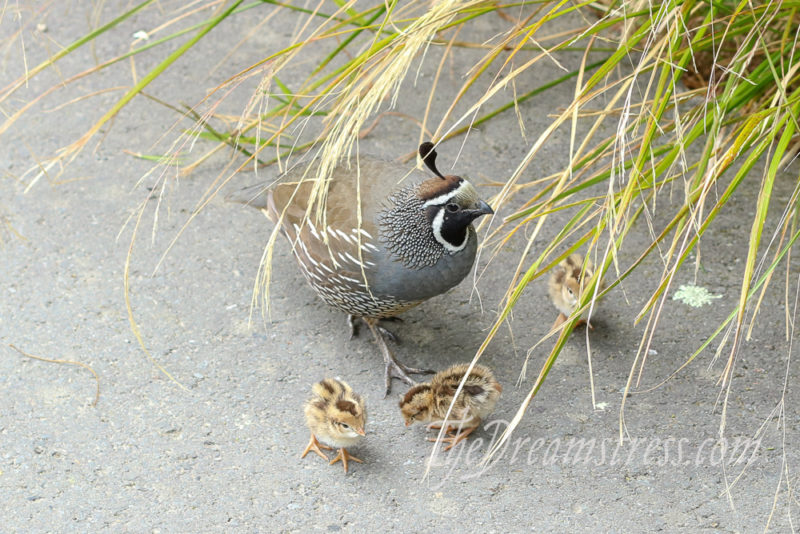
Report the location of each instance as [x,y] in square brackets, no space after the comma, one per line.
[336,417]
[414,240]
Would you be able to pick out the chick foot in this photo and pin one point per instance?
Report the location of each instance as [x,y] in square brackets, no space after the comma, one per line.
[314,445]
[454,440]
[344,456]
[394,369]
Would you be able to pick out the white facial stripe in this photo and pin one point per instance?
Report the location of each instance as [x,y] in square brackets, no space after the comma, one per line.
[437,233]
[441,199]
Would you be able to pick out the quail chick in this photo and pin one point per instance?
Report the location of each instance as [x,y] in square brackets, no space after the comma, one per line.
[566,283]
[415,239]
[429,402]
[336,417]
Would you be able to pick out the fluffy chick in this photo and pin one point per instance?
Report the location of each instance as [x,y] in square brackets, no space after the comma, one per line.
[567,282]
[336,417]
[429,402]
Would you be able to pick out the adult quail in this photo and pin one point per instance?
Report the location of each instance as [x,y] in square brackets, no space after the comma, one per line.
[415,240]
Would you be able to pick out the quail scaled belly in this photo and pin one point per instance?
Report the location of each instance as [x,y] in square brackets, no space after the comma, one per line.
[337,417]
[415,239]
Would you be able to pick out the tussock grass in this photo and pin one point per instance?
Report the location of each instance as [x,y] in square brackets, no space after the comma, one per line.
[636,131]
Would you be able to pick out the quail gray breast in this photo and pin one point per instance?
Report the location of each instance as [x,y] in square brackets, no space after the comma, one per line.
[415,239]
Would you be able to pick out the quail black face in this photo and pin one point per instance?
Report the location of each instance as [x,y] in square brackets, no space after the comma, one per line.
[451,213]
[451,204]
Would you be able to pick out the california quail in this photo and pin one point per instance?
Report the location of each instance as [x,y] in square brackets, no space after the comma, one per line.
[415,241]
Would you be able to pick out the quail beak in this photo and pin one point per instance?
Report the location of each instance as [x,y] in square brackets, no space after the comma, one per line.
[408,423]
[361,432]
[484,208]
[481,208]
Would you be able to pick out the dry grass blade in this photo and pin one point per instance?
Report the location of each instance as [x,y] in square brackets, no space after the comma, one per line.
[129,307]
[66,362]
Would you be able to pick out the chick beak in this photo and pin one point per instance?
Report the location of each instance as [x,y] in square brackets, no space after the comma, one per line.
[408,423]
[361,432]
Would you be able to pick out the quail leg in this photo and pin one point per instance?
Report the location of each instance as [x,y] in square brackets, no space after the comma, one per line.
[344,456]
[314,445]
[388,334]
[352,322]
[394,369]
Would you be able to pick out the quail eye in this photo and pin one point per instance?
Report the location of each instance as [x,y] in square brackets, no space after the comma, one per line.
[452,208]
[345,426]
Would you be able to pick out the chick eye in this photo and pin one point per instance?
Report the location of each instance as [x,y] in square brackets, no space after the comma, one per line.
[570,292]
[452,208]
[345,426]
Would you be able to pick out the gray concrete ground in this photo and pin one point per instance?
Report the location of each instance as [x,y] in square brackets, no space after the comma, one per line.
[223,453]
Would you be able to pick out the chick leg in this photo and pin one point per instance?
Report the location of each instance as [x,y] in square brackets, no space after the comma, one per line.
[454,440]
[559,321]
[314,445]
[438,426]
[561,318]
[394,369]
[344,456]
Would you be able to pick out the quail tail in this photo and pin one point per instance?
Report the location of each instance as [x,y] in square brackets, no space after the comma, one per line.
[394,369]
